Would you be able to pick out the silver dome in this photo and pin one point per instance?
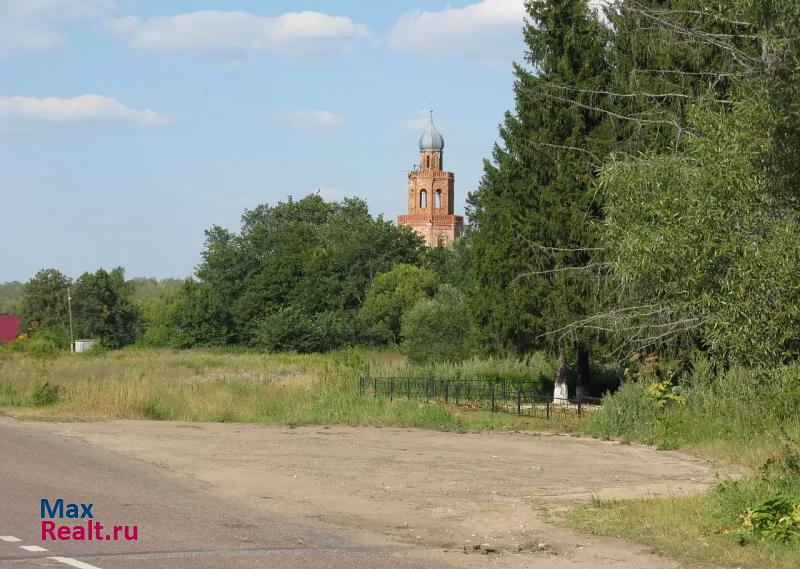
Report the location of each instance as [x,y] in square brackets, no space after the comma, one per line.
[431,139]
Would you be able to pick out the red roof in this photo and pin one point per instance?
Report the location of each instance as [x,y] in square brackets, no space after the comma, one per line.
[9,327]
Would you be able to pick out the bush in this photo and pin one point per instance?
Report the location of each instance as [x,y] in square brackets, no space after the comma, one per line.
[46,395]
[775,519]
[42,347]
[295,330]
[438,329]
[735,405]
[97,350]
[630,413]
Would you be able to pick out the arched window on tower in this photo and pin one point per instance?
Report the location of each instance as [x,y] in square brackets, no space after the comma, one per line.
[428,161]
[437,202]
[423,199]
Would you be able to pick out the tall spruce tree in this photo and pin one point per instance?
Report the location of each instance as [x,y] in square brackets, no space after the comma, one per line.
[532,214]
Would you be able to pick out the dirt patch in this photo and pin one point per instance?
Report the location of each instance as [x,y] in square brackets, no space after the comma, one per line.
[468,499]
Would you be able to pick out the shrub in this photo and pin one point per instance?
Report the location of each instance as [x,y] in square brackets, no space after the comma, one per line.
[630,413]
[46,395]
[775,519]
[706,406]
[438,329]
[41,347]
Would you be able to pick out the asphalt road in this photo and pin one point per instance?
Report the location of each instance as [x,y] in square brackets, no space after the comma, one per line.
[180,525]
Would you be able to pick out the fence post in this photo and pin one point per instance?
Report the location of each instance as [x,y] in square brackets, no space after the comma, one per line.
[447,391]
[548,409]
[494,407]
[458,393]
[519,402]
[374,386]
[391,389]
[361,383]
[580,405]
[408,388]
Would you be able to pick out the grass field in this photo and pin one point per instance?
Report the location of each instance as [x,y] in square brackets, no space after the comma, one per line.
[209,385]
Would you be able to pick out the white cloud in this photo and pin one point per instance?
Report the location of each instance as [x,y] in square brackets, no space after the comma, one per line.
[487,30]
[309,119]
[35,25]
[231,33]
[74,110]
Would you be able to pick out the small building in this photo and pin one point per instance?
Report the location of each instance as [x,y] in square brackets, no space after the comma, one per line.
[9,327]
[83,345]
[431,193]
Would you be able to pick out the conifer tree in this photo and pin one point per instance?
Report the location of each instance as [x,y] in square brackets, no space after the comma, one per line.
[532,213]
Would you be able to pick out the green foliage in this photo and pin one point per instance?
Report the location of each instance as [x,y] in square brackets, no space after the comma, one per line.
[699,200]
[46,395]
[390,296]
[452,264]
[44,302]
[196,317]
[438,329]
[41,347]
[531,237]
[145,289]
[300,260]
[775,519]
[630,414]
[10,297]
[698,235]
[103,309]
[97,350]
[659,379]
[158,319]
[294,330]
[738,404]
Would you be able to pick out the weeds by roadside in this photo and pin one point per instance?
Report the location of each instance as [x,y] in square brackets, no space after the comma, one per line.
[237,386]
[742,416]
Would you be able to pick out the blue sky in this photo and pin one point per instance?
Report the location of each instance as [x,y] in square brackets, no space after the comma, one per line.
[128,127]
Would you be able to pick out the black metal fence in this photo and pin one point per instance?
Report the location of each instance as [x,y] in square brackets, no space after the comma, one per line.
[522,398]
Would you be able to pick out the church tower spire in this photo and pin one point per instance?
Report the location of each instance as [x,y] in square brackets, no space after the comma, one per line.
[431,193]
[431,147]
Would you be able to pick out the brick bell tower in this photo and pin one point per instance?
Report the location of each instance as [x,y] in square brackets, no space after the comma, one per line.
[430,193]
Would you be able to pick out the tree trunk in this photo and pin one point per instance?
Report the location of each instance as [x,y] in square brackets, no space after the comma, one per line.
[584,371]
[560,392]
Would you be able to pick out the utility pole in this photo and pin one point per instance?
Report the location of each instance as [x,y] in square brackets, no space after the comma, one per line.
[71,334]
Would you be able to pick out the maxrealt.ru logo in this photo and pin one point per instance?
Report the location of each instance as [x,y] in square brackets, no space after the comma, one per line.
[88,530]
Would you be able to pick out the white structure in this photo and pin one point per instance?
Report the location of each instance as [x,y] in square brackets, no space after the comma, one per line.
[83,345]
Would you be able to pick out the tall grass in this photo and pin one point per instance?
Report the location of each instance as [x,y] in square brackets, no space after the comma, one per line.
[745,416]
[232,386]
[740,415]
[536,368]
